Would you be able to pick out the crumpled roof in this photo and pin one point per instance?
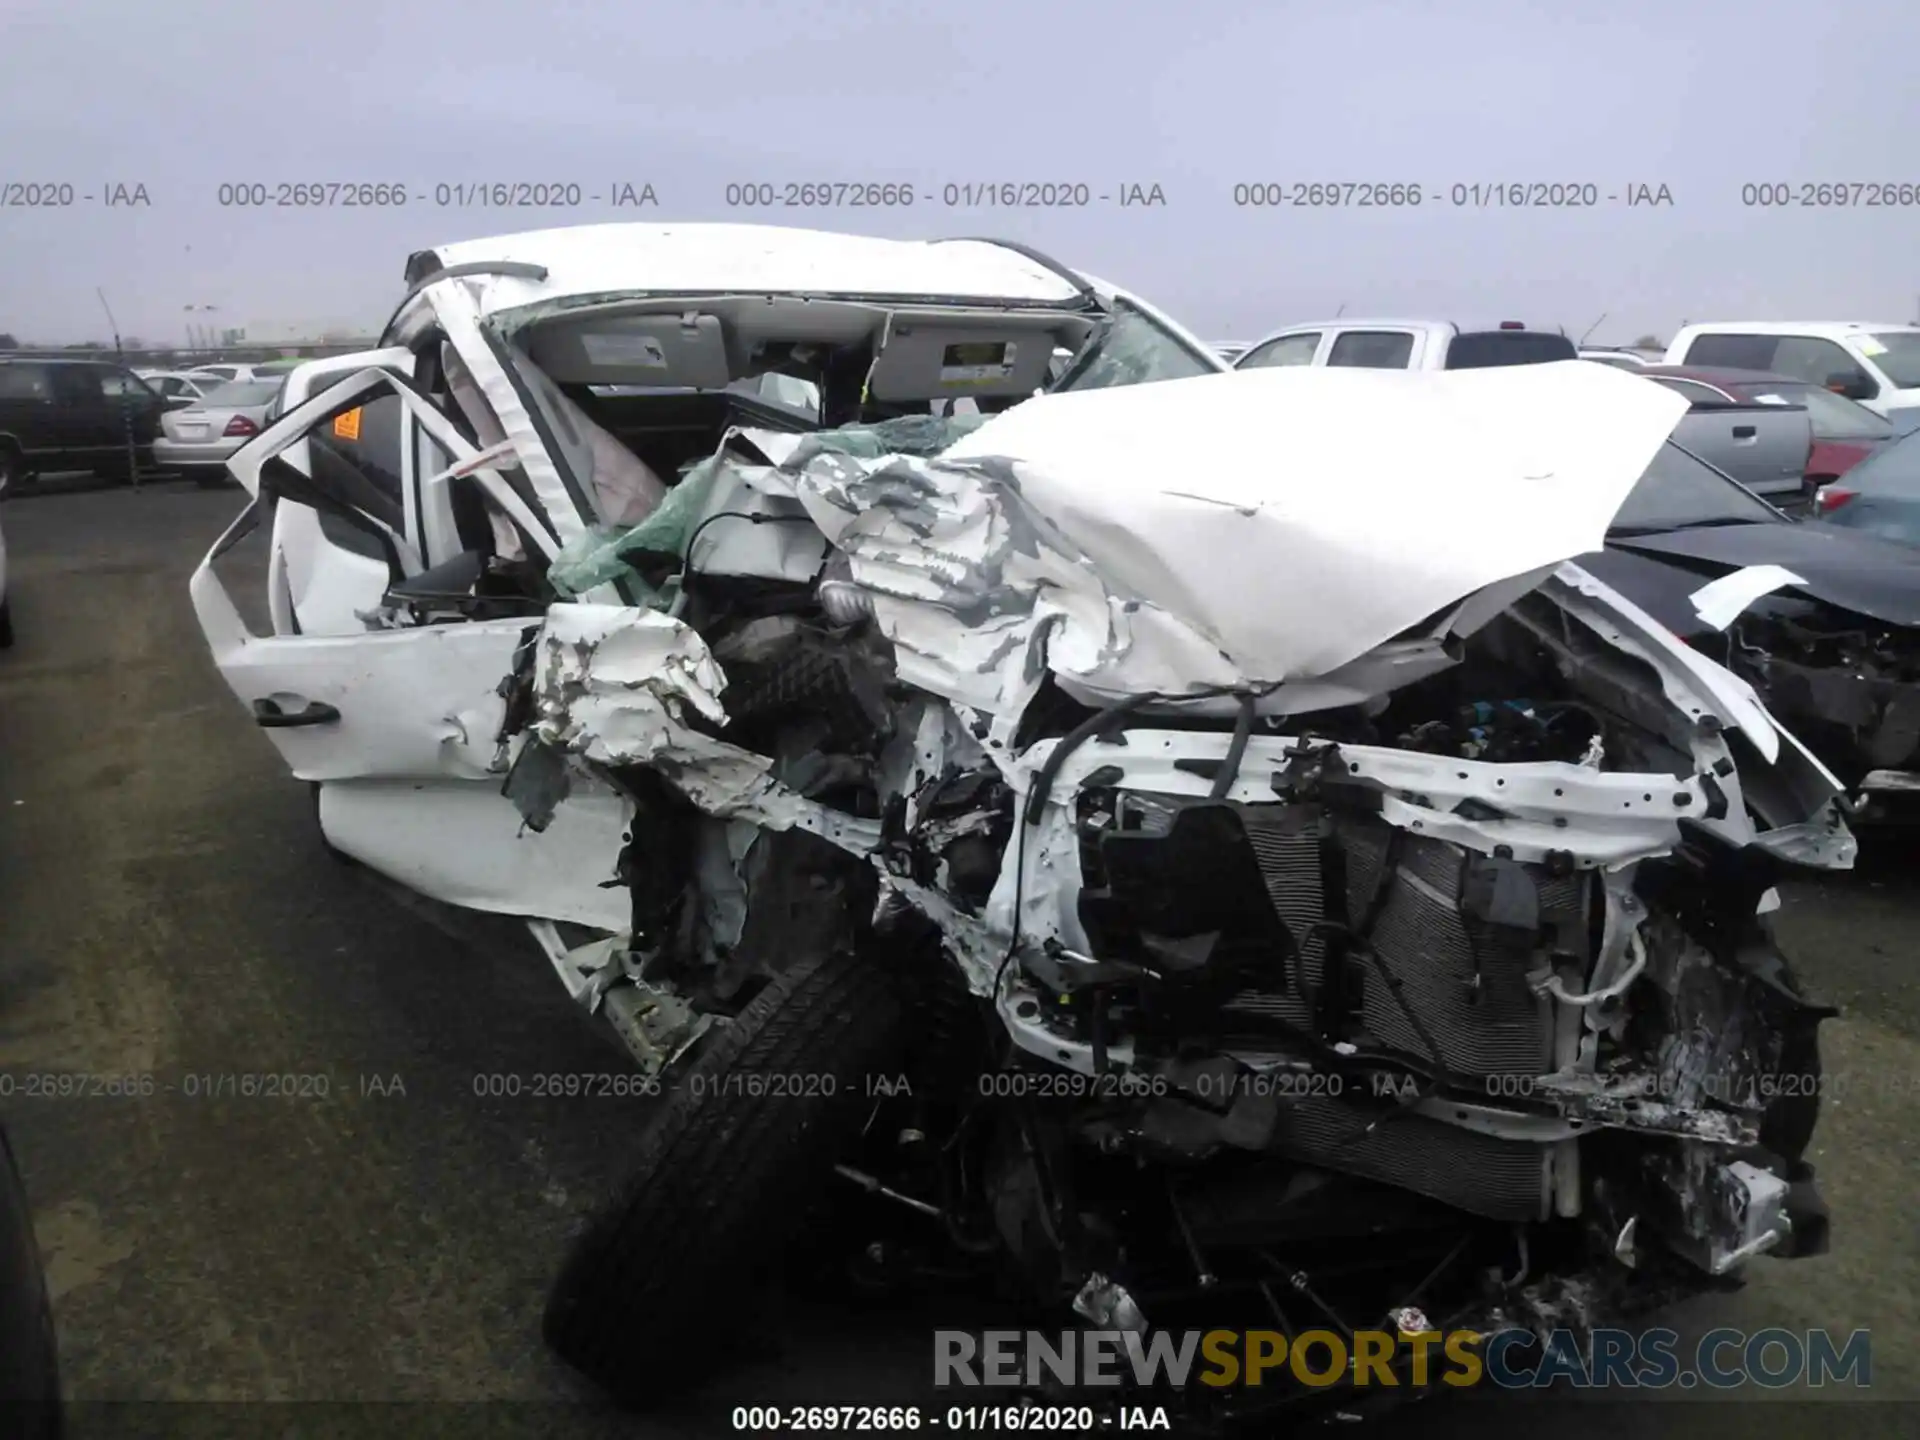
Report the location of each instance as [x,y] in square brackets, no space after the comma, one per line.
[1230,530]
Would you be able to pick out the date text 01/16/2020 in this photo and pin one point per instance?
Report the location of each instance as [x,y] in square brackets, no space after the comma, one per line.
[1461,195]
[949,195]
[444,195]
[898,1419]
[196,1085]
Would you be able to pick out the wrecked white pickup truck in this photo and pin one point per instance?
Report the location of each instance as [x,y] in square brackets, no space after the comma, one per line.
[1150,844]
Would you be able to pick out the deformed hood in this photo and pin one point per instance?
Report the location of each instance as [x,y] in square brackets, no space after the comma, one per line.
[1264,525]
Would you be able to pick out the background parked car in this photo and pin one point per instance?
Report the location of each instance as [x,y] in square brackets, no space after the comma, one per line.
[197,440]
[1874,363]
[1626,357]
[1831,650]
[1764,440]
[223,371]
[1880,495]
[176,387]
[6,608]
[1843,432]
[1407,345]
[74,415]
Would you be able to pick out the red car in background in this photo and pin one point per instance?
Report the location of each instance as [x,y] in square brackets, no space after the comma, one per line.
[1844,431]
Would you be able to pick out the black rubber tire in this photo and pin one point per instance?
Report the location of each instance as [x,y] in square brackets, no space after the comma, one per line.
[13,473]
[725,1182]
[6,625]
[29,1354]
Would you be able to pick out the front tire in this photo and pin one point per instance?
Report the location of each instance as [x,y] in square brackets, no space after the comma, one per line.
[6,625]
[725,1180]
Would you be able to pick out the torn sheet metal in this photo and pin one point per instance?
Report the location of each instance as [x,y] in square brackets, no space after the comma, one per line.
[1720,602]
[457,843]
[1693,684]
[1179,550]
[619,685]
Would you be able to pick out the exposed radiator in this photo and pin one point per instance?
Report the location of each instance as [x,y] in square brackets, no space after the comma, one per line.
[1478,1173]
[1464,979]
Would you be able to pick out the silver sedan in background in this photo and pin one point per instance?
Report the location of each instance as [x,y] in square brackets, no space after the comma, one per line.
[176,387]
[196,441]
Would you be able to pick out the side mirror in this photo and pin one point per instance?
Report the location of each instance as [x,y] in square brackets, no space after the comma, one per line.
[1852,384]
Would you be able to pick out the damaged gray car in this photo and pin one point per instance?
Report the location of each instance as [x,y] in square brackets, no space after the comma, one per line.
[1077,845]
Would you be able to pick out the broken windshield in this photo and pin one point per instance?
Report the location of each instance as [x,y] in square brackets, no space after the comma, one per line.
[1131,349]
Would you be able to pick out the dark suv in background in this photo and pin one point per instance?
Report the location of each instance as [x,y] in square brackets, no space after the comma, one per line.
[74,415]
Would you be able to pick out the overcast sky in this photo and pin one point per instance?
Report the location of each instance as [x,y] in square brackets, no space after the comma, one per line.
[1197,97]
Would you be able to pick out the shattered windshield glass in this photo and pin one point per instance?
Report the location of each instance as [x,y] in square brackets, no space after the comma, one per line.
[1132,350]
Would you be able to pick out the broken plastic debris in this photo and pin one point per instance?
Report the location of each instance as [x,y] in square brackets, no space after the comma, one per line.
[1410,1320]
[1719,603]
[1108,1305]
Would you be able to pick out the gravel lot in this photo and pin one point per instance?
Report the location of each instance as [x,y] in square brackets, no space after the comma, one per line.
[167,910]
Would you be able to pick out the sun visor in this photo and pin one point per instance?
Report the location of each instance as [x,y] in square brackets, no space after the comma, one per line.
[688,350]
[927,362]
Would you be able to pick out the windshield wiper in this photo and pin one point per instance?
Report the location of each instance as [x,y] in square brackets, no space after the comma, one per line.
[1634,530]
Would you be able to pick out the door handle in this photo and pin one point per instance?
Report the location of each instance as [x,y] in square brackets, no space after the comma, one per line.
[270,716]
[1744,432]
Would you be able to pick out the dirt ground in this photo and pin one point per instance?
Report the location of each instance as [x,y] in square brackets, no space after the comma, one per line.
[383,1237]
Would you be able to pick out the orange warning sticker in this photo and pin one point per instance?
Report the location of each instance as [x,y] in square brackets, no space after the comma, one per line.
[347,426]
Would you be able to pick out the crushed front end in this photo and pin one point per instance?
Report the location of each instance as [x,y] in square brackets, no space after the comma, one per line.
[1487,969]
[1437,981]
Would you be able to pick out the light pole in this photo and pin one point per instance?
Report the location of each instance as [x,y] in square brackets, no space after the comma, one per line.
[126,398]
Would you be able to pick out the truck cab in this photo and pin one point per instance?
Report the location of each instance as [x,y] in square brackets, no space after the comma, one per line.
[1876,363]
[1407,345]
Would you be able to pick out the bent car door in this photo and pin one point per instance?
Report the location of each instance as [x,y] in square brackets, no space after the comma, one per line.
[399,724]
[322,570]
